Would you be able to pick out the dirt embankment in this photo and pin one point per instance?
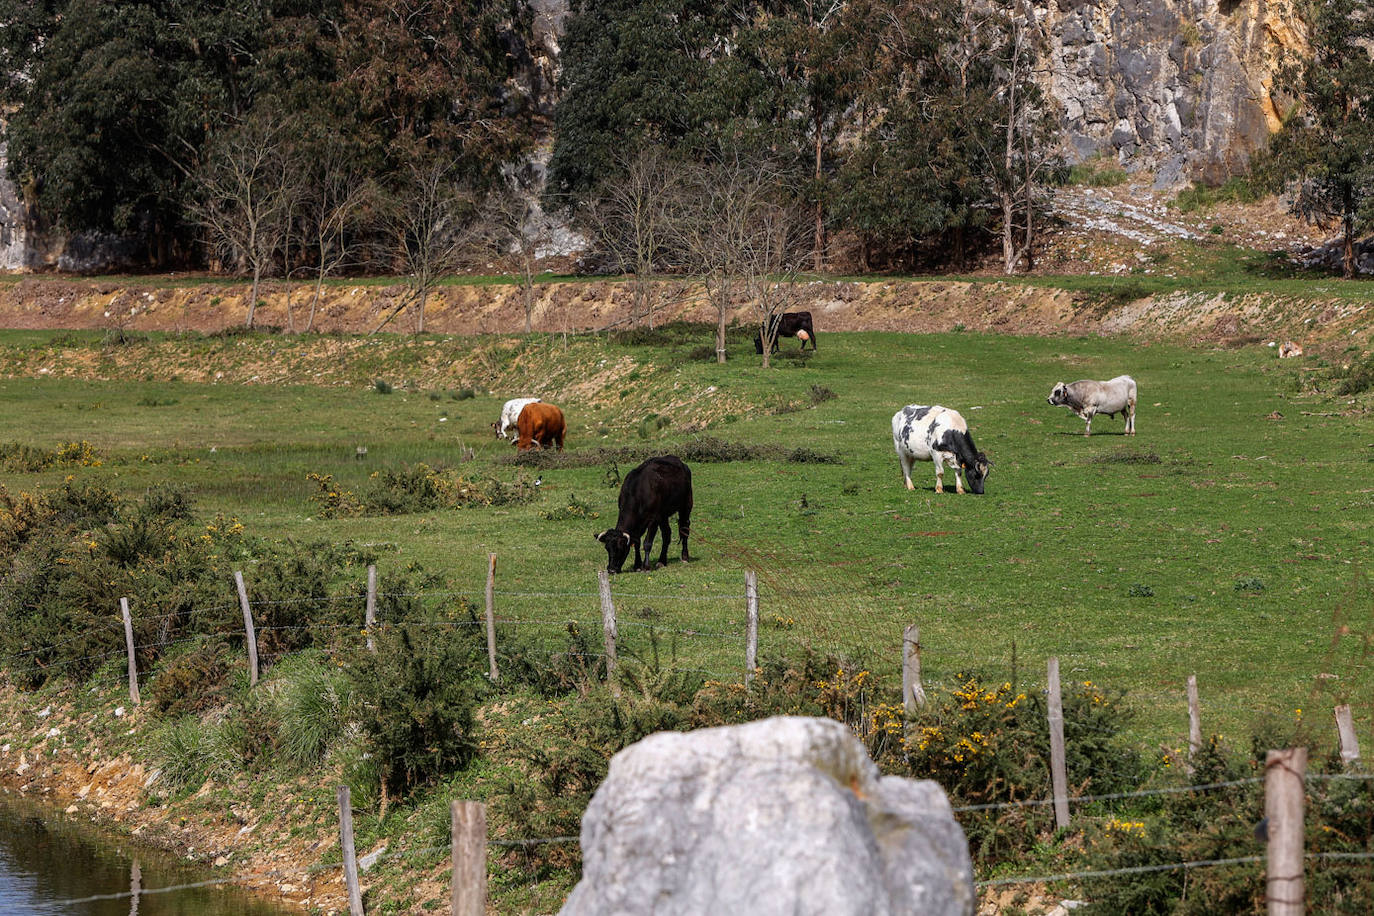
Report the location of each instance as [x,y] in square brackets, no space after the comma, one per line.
[899,305]
[78,760]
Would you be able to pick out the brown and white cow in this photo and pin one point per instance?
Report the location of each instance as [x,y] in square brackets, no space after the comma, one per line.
[539,426]
[1088,398]
[510,413]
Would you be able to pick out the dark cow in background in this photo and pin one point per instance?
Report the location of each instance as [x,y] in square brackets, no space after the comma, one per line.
[1088,398]
[789,324]
[938,434]
[657,489]
[539,426]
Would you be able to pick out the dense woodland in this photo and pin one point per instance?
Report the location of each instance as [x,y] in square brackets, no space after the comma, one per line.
[289,136]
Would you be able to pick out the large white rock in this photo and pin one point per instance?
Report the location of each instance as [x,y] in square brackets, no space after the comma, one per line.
[782,816]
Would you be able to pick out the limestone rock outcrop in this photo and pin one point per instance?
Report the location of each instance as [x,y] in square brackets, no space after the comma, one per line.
[1180,87]
[781,816]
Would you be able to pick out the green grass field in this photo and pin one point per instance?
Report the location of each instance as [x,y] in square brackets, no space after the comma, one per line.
[1217,542]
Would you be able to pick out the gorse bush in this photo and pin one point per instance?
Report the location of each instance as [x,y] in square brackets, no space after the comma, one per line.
[415,702]
[417,488]
[20,458]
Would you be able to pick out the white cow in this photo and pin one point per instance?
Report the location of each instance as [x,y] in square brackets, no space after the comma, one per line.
[1088,398]
[938,434]
[510,413]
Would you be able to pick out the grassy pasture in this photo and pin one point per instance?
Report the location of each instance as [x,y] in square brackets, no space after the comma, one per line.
[1216,542]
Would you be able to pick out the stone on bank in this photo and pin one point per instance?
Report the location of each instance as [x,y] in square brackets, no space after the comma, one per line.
[782,816]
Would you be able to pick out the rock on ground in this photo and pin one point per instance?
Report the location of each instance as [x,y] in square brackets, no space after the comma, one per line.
[783,816]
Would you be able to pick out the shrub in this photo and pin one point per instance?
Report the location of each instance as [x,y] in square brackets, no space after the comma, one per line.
[193,681]
[416,488]
[381,386]
[415,699]
[574,508]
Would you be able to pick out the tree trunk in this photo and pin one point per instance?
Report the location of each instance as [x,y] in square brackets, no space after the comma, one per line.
[818,253]
[1349,225]
[723,308]
[319,289]
[253,295]
[420,308]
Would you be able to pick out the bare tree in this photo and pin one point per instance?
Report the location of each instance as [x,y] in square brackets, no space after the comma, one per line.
[337,194]
[724,223]
[244,191]
[777,249]
[510,217]
[631,216]
[433,225]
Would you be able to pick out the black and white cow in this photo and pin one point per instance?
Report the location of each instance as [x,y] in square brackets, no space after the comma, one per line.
[790,324]
[657,489]
[938,434]
[1088,398]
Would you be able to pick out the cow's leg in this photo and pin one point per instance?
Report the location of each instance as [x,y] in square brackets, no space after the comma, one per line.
[639,562]
[649,534]
[939,473]
[906,470]
[667,535]
[958,480]
[684,528]
[1088,416]
[1130,417]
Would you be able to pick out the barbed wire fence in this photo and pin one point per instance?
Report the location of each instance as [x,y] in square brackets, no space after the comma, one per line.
[725,650]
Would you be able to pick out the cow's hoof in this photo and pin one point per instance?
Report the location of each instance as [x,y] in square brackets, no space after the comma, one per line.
[939,489]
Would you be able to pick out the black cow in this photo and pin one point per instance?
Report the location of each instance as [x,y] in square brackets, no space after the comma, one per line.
[789,324]
[651,493]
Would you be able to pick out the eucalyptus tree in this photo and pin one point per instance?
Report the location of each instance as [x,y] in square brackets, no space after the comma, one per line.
[1324,145]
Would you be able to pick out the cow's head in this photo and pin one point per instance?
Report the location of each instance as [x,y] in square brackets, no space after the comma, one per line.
[1059,396]
[617,548]
[977,472]
[496,428]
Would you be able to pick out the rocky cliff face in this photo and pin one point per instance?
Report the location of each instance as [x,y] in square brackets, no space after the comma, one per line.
[1179,87]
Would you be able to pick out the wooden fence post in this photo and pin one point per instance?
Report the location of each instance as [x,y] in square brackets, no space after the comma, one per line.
[248,629]
[751,627]
[370,615]
[913,694]
[491,616]
[608,628]
[1284,796]
[1194,723]
[1059,775]
[1345,727]
[129,641]
[350,855]
[469,858]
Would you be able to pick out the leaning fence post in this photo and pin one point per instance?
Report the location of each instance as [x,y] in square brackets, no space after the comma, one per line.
[608,628]
[1059,774]
[248,629]
[491,616]
[1194,723]
[751,630]
[1284,796]
[129,641]
[469,858]
[1345,727]
[350,855]
[370,615]
[913,694]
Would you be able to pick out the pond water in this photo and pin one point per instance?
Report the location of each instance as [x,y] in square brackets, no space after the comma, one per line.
[50,865]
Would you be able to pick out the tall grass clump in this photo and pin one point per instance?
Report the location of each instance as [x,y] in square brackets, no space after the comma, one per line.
[189,751]
[313,700]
